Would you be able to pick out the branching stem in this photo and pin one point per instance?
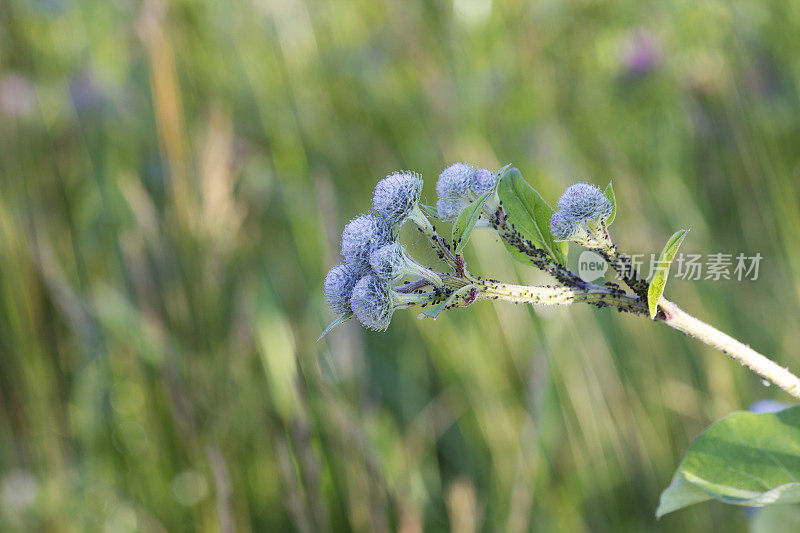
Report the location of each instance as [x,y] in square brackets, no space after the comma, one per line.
[596,295]
[670,314]
[538,257]
[624,267]
[573,289]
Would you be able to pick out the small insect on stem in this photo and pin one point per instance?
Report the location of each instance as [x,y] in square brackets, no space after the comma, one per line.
[470,297]
[368,285]
[461,266]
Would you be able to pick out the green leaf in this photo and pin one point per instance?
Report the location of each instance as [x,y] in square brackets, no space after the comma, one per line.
[529,214]
[502,170]
[519,256]
[344,318]
[609,192]
[465,223]
[659,280]
[434,311]
[429,210]
[678,495]
[744,459]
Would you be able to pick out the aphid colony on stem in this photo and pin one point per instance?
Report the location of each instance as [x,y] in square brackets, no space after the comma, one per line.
[367,284]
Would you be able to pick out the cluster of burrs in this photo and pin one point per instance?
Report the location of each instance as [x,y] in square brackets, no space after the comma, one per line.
[366,284]
[459,185]
[583,211]
[374,260]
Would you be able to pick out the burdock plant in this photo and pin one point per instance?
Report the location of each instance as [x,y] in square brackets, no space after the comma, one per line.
[396,199]
[392,263]
[362,236]
[583,211]
[373,302]
[459,185]
[339,285]
[747,459]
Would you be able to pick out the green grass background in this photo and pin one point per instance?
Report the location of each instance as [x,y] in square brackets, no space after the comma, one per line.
[174,177]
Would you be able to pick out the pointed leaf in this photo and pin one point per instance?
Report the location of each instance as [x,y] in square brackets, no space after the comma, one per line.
[465,223]
[429,210]
[744,459]
[659,280]
[678,495]
[342,319]
[434,311]
[519,256]
[609,192]
[529,214]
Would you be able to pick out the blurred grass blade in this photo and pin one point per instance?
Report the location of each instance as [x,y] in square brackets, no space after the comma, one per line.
[776,518]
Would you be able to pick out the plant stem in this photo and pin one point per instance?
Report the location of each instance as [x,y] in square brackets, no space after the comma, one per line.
[676,318]
[402,300]
[413,286]
[624,267]
[449,281]
[440,245]
[538,257]
[412,268]
[596,295]
[575,289]
[670,314]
